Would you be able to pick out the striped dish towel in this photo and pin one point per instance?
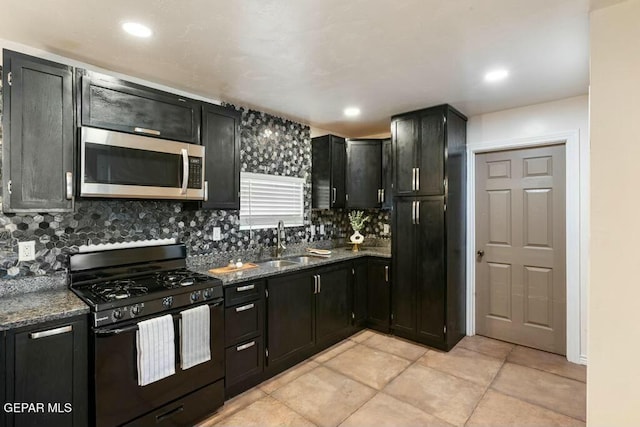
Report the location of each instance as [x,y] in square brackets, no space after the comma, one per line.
[156,349]
[195,336]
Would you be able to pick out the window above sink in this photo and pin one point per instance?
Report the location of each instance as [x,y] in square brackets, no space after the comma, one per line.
[267,199]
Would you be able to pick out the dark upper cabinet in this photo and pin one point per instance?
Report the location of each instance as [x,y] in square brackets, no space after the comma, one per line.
[328,172]
[48,363]
[290,317]
[111,103]
[429,226]
[418,144]
[38,135]
[386,196]
[379,295]
[221,139]
[333,302]
[364,173]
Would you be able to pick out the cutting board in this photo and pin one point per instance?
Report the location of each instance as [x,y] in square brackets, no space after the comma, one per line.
[227,269]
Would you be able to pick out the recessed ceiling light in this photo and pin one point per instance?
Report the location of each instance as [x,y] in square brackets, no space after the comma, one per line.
[496,75]
[352,111]
[136,29]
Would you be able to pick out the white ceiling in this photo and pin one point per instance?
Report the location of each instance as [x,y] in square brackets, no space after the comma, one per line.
[308,59]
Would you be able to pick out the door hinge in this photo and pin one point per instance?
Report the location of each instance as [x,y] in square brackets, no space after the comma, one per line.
[9,186]
[445,329]
[266,352]
[266,293]
[9,78]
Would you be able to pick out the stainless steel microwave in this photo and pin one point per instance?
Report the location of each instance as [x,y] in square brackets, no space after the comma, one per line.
[121,165]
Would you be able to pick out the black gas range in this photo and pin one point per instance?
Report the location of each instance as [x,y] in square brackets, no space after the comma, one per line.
[127,286]
[124,284]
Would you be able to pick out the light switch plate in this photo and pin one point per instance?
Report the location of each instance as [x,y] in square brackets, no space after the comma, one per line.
[385,228]
[27,251]
[322,229]
[312,230]
[217,236]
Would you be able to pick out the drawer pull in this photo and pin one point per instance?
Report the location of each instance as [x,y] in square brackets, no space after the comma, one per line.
[51,332]
[245,288]
[245,346]
[245,308]
[147,131]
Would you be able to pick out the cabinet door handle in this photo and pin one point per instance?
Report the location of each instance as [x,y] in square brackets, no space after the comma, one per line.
[319,283]
[51,332]
[413,212]
[185,170]
[413,179]
[69,185]
[382,195]
[245,308]
[417,179]
[315,284]
[245,288]
[386,273]
[418,212]
[206,191]
[147,131]
[245,346]
[335,194]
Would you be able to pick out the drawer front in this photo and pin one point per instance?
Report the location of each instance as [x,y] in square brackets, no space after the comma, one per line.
[243,292]
[243,321]
[244,360]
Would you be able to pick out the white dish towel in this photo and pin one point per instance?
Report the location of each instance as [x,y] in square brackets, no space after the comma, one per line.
[156,349]
[195,336]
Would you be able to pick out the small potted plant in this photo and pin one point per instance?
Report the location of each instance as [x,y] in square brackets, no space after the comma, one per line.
[357,220]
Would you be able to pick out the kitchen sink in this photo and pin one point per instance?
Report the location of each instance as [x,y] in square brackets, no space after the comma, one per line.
[304,259]
[278,263]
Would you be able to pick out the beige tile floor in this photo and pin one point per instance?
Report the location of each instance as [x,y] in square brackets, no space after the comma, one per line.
[372,379]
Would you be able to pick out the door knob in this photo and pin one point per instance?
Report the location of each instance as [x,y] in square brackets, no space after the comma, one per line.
[480,253]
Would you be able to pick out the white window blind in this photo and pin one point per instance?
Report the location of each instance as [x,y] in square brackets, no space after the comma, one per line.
[267,199]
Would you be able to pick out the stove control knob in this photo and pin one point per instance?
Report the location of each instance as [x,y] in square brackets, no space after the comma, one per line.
[195,296]
[117,314]
[167,302]
[135,310]
[208,293]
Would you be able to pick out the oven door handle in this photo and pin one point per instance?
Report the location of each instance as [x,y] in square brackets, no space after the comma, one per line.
[107,332]
[185,170]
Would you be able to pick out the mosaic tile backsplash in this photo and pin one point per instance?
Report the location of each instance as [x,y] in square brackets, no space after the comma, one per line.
[268,145]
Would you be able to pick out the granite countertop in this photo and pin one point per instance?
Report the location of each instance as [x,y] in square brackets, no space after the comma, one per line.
[337,255]
[35,307]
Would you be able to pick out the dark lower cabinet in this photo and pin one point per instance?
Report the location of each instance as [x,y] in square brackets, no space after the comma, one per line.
[379,295]
[244,317]
[48,363]
[110,103]
[333,303]
[221,139]
[38,135]
[360,290]
[291,318]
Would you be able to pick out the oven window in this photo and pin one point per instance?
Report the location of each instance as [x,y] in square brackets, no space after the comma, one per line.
[105,164]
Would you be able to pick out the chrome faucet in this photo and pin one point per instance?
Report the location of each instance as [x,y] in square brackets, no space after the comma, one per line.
[281,237]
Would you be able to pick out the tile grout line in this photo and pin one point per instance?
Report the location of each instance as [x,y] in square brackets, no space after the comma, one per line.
[504,362]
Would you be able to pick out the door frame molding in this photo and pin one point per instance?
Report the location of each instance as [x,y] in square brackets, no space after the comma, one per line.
[577,242]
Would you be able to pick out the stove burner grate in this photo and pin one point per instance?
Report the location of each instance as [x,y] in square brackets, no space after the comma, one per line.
[118,289]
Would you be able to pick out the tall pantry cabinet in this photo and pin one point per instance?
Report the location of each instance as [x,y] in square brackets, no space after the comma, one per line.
[429,152]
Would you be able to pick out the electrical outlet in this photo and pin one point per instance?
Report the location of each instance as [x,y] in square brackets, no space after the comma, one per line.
[312,230]
[322,229]
[27,251]
[216,234]
[385,228]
